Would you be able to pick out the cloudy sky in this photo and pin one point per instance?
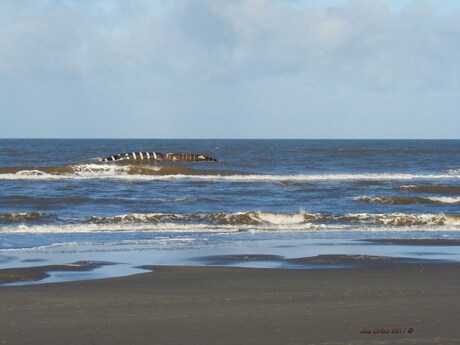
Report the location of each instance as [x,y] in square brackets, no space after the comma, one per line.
[230,69]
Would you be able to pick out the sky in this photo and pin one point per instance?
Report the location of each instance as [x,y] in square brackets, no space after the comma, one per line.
[308,69]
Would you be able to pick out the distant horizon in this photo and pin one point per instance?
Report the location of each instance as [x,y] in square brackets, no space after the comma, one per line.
[330,139]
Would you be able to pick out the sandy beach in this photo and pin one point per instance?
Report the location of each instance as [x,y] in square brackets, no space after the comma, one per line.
[393,303]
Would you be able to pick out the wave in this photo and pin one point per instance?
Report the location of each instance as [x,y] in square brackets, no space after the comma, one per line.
[403,219]
[215,218]
[431,189]
[248,221]
[153,172]
[398,200]
[161,227]
[14,217]
[102,170]
[453,171]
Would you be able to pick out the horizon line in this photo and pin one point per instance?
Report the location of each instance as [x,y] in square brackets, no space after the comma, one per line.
[234,138]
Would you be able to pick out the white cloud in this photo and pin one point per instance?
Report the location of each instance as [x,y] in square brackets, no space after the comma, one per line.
[193,59]
[361,41]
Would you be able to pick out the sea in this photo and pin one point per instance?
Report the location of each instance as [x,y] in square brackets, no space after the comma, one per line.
[61,204]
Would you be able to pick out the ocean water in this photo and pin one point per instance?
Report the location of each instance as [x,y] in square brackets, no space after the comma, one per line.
[60,203]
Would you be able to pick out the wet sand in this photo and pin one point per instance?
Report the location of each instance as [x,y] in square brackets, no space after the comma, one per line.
[32,274]
[419,303]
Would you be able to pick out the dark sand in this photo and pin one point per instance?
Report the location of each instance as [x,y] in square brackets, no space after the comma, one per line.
[28,274]
[223,305]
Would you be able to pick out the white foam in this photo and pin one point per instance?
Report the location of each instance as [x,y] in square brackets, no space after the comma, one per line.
[96,171]
[42,247]
[166,240]
[444,199]
[453,171]
[409,186]
[388,199]
[117,227]
[281,218]
[449,225]
[324,177]
[395,219]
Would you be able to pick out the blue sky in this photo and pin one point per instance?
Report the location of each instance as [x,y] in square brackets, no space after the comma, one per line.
[230,69]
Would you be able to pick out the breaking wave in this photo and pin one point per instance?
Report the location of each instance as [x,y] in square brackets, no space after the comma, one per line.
[453,171]
[14,217]
[154,172]
[101,171]
[249,221]
[431,189]
[402,219]
[213,218]
[398,200]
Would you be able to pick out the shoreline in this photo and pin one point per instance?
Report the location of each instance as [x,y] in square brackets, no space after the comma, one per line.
[17,276]
[231,305]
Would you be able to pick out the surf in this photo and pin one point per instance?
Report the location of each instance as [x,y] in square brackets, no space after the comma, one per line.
[400,200]
[165,172]
[225,222]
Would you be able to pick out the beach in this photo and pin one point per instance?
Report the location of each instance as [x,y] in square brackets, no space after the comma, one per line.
[393,303]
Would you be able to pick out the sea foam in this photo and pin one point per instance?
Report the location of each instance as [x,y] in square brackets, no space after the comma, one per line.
[133,172]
